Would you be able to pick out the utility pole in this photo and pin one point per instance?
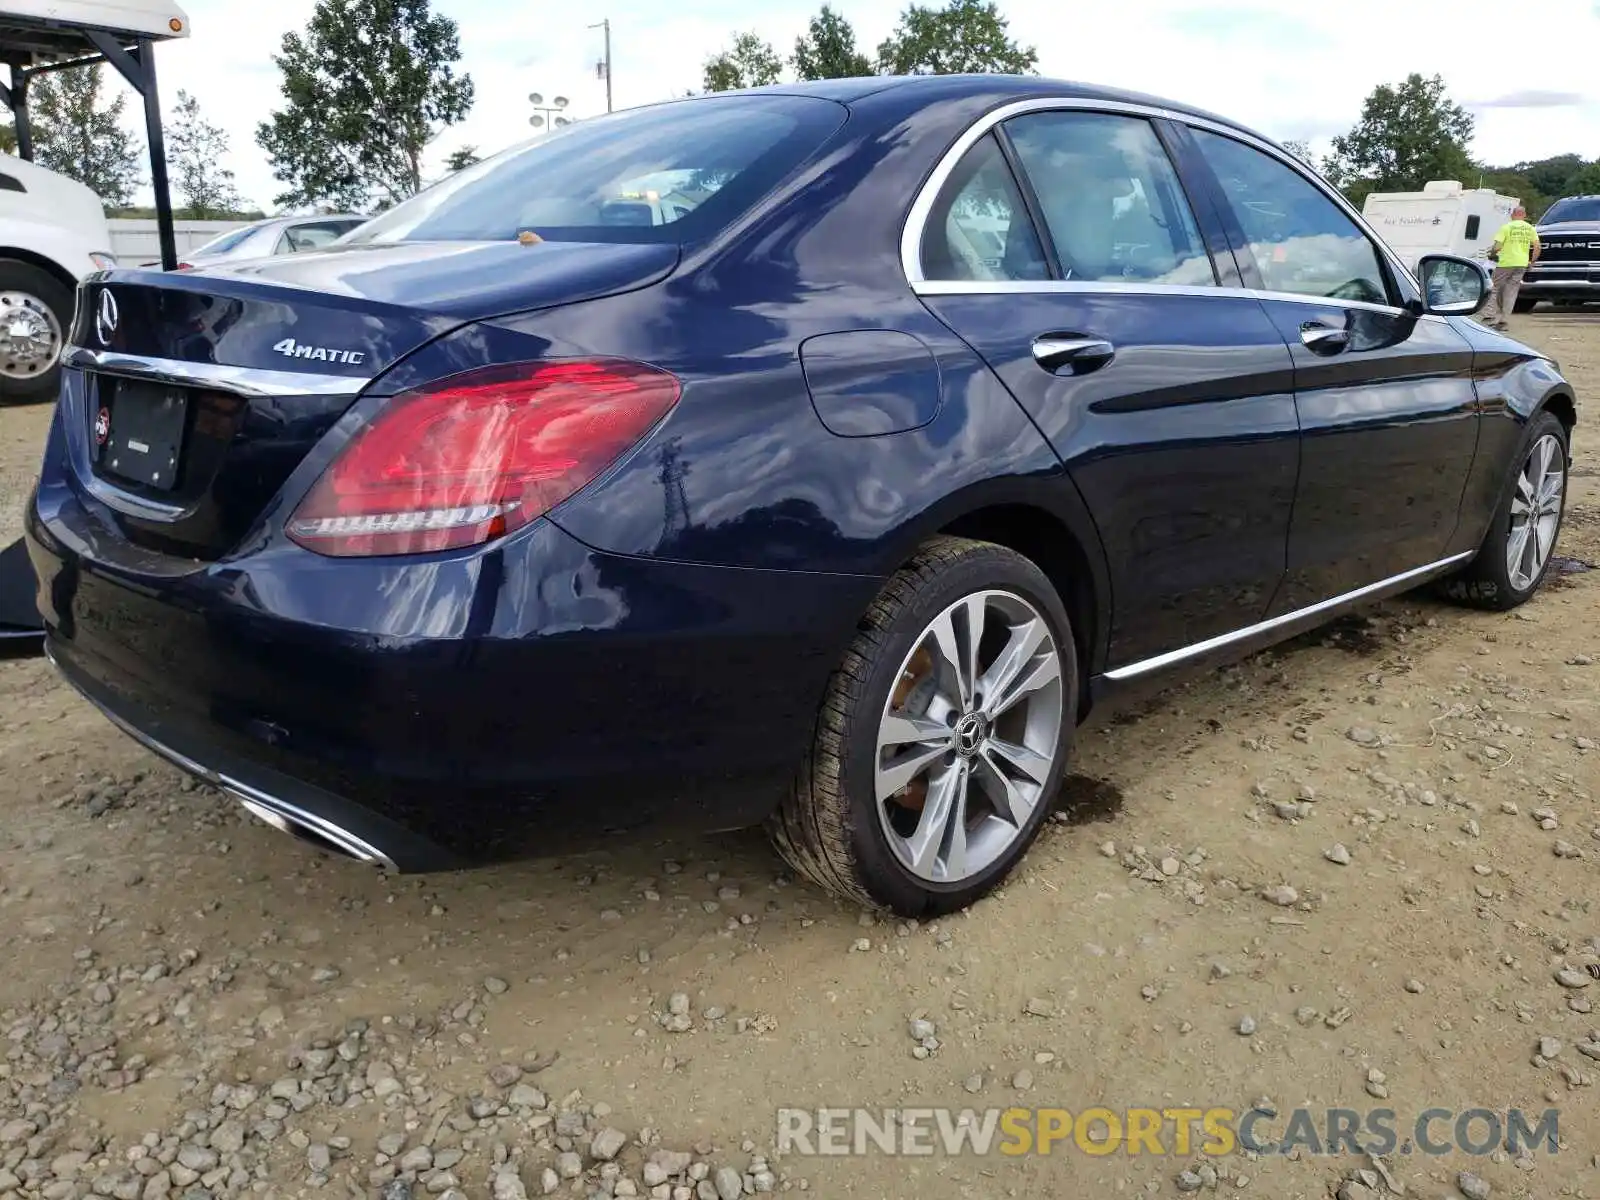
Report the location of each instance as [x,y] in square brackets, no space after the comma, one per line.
[603,67]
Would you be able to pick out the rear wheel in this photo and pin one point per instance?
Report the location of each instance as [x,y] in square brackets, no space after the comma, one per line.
[1517,550]
[942,737]
[35,310]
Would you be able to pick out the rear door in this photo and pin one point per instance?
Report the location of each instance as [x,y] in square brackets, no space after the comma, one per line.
[1063,247]
[1387,407]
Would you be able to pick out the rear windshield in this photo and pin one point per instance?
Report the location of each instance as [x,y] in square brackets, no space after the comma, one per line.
[226,241]
[1586,209]
[675,172]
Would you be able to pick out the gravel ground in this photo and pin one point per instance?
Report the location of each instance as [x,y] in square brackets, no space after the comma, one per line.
[1355,871]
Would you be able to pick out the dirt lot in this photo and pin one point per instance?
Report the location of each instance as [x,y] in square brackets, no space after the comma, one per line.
[194,1006]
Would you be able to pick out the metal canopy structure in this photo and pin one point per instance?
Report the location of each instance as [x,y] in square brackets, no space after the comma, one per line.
[39,36]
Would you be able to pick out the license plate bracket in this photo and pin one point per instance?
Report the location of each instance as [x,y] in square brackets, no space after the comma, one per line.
[140,429]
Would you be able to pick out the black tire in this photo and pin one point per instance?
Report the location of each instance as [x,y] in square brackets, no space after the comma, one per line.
[35,281]
[828,828]
[1524,304]
[1486,581]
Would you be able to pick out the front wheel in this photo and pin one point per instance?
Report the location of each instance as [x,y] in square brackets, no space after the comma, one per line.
[1524,304]
[1517,550]
[943,735]
[35,309]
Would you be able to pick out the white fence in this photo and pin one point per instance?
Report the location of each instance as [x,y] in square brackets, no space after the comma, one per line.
[135,242]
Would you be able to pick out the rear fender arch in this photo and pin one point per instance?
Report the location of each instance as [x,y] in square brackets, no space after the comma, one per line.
[1028,514]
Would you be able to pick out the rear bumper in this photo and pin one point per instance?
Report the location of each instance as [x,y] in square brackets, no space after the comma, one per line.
[435,713]
[291,806]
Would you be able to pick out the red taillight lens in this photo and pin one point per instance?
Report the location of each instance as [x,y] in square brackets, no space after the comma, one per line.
[475,456]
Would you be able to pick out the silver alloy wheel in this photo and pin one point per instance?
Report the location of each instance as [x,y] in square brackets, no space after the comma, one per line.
[1536,511]
[30,336]
[968,736]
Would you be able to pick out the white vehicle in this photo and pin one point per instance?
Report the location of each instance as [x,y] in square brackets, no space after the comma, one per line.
[53,232]
[276,235]
[1443,218]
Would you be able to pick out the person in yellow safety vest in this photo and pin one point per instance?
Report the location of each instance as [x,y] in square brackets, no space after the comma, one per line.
[1516,245]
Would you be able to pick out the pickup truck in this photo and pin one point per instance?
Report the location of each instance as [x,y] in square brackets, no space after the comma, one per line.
[1568,270]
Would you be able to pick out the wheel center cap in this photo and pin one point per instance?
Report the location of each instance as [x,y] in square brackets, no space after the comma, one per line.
[971,731]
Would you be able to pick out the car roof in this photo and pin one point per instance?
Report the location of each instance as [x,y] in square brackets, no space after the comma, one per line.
[313,217]
[999,88]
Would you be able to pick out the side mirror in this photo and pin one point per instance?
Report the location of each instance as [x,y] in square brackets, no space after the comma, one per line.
[1454,287]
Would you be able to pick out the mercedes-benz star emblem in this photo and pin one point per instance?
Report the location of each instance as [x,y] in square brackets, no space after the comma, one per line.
[970,732]
[105,318]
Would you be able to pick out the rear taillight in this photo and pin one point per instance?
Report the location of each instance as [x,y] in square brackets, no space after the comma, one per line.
[477,455]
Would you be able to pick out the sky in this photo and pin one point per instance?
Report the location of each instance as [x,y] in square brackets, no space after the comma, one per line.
[1287,70]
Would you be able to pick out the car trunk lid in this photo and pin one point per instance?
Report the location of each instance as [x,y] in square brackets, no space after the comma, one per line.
[201,392]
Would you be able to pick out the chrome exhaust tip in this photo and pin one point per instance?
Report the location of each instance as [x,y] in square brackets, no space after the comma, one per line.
[281,815]
[306,827]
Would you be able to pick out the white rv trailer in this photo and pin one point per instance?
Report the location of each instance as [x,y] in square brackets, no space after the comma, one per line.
[1443,218]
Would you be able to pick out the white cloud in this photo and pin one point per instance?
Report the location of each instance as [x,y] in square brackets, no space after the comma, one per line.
[1289,72]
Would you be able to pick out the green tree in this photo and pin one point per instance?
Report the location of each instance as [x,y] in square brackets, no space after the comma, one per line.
[461,159]
[366,87]
[78,132]
[749,62]
[1552,176]
[827,50]
[8,138]
[195,151]
[1300,148]
[1407,135]
[1585,181]
[965,36]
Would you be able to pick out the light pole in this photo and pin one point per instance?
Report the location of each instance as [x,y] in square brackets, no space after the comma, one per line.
[551,113]
[603,67]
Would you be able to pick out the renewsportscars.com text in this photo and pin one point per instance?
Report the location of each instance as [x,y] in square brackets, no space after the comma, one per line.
[1164,1131]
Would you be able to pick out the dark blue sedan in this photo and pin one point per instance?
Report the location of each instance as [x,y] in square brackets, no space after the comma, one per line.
[815,456]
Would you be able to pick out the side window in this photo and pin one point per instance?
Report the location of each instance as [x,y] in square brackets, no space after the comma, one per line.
[1472,228]
[1301,241]
[310,237]
[1111,198]
[979,228]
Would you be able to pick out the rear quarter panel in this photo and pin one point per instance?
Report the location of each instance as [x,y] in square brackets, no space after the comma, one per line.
[743,472]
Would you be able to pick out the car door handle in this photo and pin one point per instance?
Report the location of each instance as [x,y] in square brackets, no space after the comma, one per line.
[1080,353]
[1324,339]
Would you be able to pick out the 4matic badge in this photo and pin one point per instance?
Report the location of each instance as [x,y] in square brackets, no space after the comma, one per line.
[290,348]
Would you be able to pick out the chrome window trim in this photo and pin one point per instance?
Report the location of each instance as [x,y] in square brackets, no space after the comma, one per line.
[1022,287]
[915,227]
[247,381]
[1016,287]
[917,218]
[1159,662]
